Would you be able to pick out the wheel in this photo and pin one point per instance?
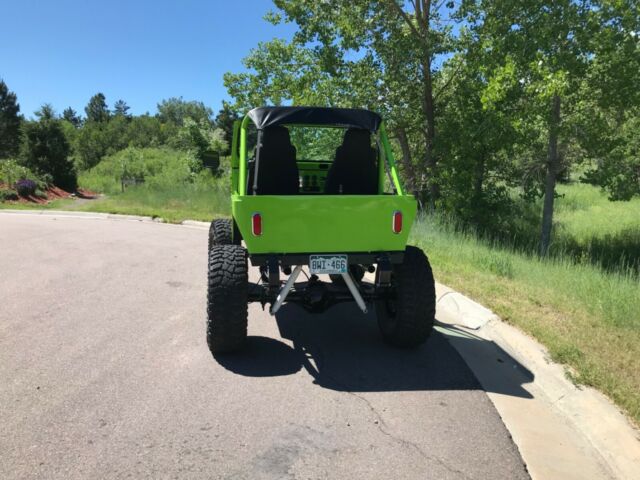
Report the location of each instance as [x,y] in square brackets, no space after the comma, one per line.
[223,231]
[227,298]
[407,316]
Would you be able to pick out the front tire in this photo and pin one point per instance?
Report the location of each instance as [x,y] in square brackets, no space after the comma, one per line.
[407,316]
[227,298]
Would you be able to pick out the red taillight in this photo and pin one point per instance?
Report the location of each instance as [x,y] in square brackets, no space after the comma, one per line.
[396,225]
[256,224]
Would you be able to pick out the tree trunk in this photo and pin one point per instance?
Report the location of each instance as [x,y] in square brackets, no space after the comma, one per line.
[429,134]
[478,190]
[553,167]
[421,31]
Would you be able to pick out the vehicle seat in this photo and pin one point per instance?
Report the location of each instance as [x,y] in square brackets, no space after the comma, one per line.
[354,170]
[277,167]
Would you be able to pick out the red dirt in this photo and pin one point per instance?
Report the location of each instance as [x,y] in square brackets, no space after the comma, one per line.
[53,193]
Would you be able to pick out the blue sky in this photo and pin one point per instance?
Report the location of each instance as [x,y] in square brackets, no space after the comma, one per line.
[142,51]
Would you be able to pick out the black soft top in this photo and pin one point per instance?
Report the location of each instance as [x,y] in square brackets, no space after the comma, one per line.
[264,117]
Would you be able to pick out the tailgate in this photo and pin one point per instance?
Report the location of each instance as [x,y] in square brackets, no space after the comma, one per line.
[324,223]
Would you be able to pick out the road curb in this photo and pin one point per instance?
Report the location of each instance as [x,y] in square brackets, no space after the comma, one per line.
[71,214]
[193,223]
[104,216]
[562,431]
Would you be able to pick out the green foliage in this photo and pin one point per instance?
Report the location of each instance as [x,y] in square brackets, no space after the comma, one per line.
[224,120]
[11,171]
[169,188]
[155,167]
[202,200]
[92,144]
[97,110]
[175,110]
[7,194]
[71,116]
[316,143]
[45,149]
[619,171]
[200,139]
[146,131]
[98,139]
[9,122]
[491,87]
[120,108]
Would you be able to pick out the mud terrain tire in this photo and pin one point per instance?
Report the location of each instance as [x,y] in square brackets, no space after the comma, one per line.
[227,298]
[406,319]
[223,232]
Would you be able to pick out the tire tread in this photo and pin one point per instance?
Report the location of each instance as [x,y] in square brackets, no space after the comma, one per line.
[227,298]
[416,301]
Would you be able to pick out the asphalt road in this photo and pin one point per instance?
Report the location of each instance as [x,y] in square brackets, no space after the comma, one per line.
[105,373]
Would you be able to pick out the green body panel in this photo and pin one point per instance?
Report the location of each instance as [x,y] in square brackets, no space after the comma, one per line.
[324,223]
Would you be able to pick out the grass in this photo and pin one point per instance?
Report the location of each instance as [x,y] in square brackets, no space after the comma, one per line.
[587,318]
[61,204]
[171,190]
[589,227]
[173,205]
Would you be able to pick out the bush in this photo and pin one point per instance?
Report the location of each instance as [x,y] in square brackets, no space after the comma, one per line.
[7,194]
[45,150]
[159,168]
[11,171]
[26,187]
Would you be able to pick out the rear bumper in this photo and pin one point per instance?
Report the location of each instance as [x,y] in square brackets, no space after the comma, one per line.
[291,259]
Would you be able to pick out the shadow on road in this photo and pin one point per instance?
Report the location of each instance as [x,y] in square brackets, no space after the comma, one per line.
[342,350]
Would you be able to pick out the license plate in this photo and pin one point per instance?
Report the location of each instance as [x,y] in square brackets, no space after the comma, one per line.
[328,264]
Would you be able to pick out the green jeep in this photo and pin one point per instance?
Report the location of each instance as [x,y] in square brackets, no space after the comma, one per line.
[319,193]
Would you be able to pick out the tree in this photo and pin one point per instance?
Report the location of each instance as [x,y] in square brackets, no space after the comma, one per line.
[46,112]
[200,138]
[120,108]
[175,110]
[145,131]
[45,149]
[9,122]
[542,51]
[609,133]
[71,116]
[97,110]
[224,120]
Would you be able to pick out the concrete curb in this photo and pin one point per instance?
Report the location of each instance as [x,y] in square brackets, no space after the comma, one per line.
[562,431]
[193,223]
[103,216]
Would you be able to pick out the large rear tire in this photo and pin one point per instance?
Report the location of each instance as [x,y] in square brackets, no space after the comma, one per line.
[223,232]
[407,316]
[227,298]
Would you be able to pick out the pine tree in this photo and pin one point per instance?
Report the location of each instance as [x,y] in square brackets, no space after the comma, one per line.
[9,122]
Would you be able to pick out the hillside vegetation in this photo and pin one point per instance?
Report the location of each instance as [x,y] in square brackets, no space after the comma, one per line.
[170,184]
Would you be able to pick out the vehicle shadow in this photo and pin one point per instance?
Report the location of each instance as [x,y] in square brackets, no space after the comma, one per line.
[342,350]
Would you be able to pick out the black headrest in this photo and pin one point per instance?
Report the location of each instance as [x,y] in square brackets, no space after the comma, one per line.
[275,136]
[356,138]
